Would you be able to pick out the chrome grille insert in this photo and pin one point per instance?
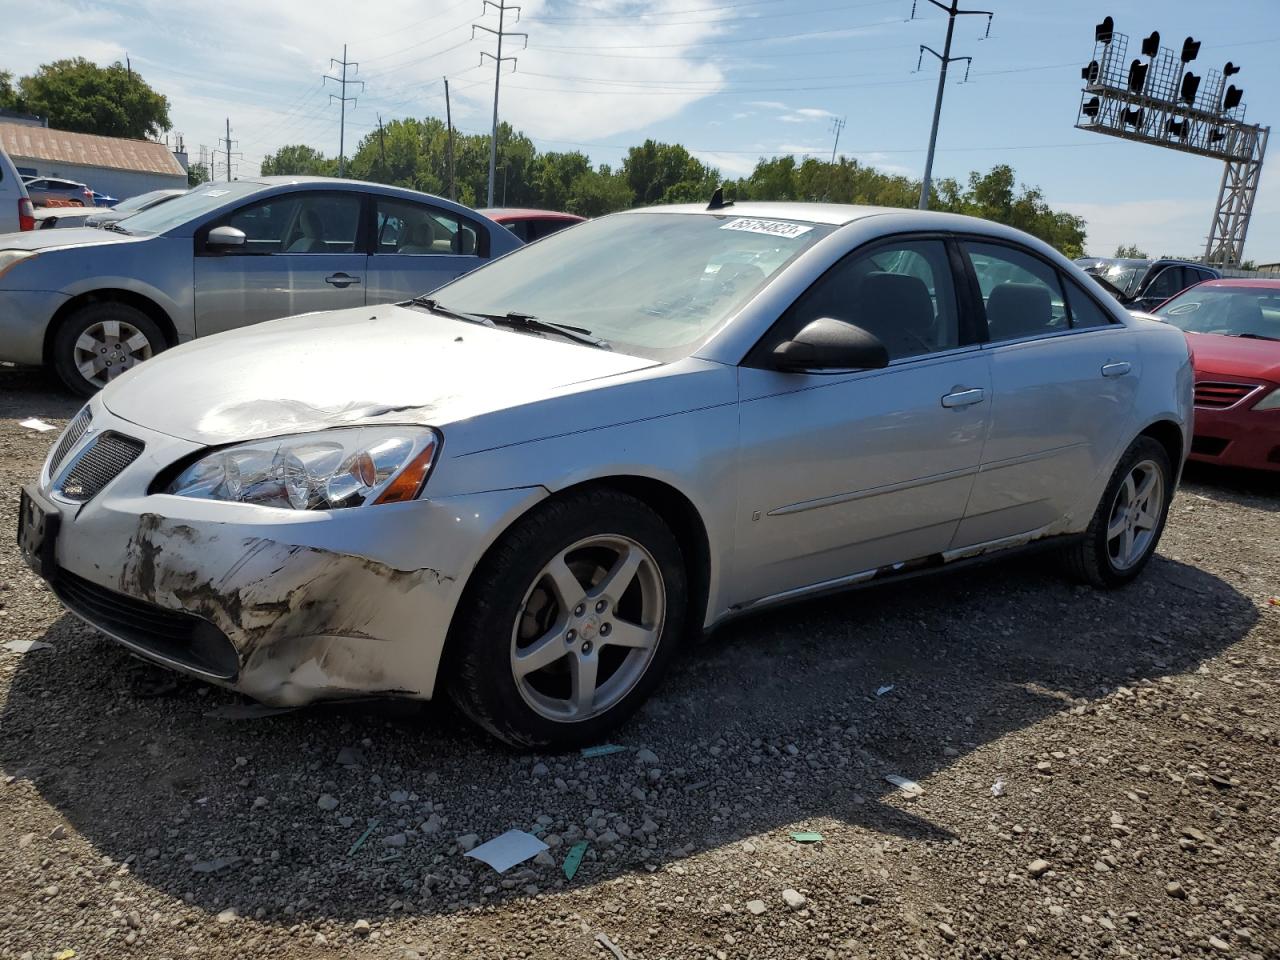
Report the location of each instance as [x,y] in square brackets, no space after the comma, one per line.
[70,437]
[99,464]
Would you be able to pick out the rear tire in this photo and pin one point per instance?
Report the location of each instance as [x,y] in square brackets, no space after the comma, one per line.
[1126,527]
[569,622]
[97,342]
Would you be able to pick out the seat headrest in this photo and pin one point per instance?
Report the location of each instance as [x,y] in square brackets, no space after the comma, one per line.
[1018,310]
[902,299]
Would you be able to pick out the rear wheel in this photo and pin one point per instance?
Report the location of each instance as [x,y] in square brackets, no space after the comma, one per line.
[569,622]
[100,341]
[1130,517]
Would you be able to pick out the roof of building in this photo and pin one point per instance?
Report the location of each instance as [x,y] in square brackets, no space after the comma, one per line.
[88,150]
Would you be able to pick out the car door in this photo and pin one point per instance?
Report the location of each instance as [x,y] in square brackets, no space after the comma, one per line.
[1064,376]
[418,247]
[1169,282]
[301,253]
[846,472]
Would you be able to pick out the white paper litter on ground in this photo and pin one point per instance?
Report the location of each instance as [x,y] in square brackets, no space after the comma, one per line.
[31,423]
[997,788]
[25,646]
[505,851]
[883,690]
[908,787]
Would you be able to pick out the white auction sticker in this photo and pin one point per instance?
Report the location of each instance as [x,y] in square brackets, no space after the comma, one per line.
[216,193]
[773,228]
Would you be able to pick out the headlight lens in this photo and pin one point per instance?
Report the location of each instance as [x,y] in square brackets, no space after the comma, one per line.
[316,471]
[11,258]
[1270,402]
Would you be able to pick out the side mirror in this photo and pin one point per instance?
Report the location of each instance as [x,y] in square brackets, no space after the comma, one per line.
[224,238]
[828,344]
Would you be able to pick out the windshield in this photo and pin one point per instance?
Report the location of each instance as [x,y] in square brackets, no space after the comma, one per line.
[1124,275]
[179,210]
[1230,311]
[656,285]
[138,202]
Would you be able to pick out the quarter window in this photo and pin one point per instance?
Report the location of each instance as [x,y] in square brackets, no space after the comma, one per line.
[1021,294]
[416,229]
[299,223]
[901,292]
[1085,311]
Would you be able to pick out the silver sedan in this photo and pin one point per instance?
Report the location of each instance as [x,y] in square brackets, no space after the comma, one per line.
[531,489]
[91,304]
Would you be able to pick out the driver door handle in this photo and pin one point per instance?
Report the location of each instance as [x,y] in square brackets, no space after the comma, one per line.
[341,280]
[964,398]
[1117,369]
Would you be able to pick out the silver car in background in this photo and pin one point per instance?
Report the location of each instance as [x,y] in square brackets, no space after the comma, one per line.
[530,489]
[89,304]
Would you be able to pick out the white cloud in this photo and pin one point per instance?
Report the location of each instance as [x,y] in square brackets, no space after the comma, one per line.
[768,104]
[1160,227]
[814,113]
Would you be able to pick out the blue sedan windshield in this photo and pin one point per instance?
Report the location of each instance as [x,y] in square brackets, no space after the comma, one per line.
[180,210]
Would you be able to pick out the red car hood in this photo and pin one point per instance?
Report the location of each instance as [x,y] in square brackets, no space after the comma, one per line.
[1236,356]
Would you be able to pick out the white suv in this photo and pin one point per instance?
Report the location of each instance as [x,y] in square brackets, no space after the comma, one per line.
[16,212]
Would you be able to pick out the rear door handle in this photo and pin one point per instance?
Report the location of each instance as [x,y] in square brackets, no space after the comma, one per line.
[964,398]
[341,280]
[1117,369]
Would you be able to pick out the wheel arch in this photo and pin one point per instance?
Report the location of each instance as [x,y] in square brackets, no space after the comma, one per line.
[672,505]
[110,295]
[1169,435]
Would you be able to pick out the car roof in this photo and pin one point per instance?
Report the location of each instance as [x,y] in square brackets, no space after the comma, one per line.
[501,214]
[836,214]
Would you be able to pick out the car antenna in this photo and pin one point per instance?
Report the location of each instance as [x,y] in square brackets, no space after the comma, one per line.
[718,202]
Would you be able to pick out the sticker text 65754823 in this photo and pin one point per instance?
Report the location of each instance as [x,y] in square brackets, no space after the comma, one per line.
[772,228]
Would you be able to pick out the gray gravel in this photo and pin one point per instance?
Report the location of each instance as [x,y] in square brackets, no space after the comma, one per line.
[1136,735]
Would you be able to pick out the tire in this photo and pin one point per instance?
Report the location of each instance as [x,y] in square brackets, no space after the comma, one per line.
[519,656]
[124,336]
[1108,560]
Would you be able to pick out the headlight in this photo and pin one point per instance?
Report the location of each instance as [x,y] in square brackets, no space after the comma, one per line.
[1270,402]
[316,471]
[11,258]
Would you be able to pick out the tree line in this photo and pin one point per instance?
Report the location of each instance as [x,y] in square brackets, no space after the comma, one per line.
[414,153]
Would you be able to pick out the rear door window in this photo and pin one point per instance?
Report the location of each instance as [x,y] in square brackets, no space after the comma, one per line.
[1022,295]
[416,229]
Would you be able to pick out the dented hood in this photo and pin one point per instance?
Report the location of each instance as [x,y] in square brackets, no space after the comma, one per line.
[388,364]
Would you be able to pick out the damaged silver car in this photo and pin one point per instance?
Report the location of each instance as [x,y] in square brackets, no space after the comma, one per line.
[532,488]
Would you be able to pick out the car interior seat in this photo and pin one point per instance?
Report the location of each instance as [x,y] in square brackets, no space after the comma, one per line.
[312,239]
[1017,310]
[422,238]
[897,308]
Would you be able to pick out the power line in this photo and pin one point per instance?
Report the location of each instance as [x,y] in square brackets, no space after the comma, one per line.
[501,33]
[342,101]
[946,59]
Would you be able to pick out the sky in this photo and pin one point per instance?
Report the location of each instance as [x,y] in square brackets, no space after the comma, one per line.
[732,80]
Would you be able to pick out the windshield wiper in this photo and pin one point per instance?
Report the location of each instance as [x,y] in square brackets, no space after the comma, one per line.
[526,321]
[435,306]
[1254,336]
[115,226]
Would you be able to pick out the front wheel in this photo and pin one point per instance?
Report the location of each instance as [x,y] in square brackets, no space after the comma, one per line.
[99,341]
[1130,517]
[569,621]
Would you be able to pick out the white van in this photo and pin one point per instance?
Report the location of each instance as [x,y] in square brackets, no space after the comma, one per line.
[16,212]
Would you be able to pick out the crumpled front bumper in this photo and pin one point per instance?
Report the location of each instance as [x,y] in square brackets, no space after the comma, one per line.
[313,605]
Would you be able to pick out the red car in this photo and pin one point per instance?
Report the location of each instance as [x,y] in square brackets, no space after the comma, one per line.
[531,225]
[1233,327]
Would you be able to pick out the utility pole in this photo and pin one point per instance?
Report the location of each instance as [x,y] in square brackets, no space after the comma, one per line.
[228,141]
[502,7]
[952,11]
[837,124]
[342,100]
[382,146]
[448,114]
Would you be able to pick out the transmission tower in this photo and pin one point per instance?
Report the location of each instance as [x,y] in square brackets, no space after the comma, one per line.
[344,63]
[837,124]
[502,7]
[227,143]
[952,10]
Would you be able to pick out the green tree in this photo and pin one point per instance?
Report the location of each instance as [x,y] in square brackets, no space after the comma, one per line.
[298,159]
[1130,250]
[995,196]
[667,173]
[197,173]
[9,96]
[599,191]
[79,95]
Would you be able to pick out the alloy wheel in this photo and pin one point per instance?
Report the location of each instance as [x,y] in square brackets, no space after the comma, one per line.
[1135,514]
[588,628]
[108,348]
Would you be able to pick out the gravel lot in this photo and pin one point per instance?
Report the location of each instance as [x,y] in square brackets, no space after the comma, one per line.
[1136,734]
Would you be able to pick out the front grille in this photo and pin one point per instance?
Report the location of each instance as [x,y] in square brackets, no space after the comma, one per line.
[1219,396]
[70,437]
[178,637]
[99,464]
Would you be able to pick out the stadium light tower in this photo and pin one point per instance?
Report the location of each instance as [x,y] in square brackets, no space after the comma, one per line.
[1156,99]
